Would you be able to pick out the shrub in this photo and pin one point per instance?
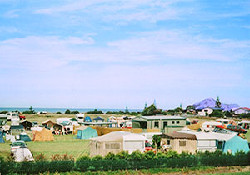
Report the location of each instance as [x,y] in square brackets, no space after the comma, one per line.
[58,113]
[40,157]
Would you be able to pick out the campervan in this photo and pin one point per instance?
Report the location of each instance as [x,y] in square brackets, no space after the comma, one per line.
[11,115]
[80,118]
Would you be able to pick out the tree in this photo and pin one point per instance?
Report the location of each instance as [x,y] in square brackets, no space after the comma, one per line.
[218,103]
[67,111]
[217,113]
[151,110]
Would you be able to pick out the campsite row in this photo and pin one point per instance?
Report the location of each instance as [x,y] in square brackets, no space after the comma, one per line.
[136,133]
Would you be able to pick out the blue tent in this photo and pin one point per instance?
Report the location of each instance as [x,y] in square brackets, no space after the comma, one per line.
[87,119]
[86,133]
[98,118]
[235,144]
[1,137]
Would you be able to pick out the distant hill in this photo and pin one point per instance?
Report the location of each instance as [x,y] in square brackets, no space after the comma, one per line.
[210,102]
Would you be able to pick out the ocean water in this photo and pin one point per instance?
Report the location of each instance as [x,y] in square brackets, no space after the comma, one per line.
[62,110]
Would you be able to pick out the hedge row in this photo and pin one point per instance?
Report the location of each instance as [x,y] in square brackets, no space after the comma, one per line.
[123,161]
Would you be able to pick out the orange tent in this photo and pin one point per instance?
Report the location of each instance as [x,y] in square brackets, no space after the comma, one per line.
[44,135]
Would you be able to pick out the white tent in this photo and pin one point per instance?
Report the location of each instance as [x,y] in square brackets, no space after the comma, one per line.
[22,154]
[116,142]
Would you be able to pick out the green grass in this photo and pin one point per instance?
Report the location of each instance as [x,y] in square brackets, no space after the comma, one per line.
[66,144]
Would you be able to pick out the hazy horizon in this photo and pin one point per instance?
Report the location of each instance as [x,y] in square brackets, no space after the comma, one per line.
[116,53]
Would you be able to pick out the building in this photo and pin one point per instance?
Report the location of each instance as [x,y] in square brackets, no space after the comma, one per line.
[241,110]
[208,110]
[166,124]
[179,142]
[116,142]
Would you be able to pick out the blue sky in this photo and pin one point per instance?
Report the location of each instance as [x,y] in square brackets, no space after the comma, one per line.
[118,53]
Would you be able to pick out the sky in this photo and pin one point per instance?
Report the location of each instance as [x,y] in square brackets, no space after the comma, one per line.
[123,53]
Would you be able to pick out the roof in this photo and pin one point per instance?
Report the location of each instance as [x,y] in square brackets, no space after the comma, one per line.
[179,135]
[119,136]
[211,135]
[160,117]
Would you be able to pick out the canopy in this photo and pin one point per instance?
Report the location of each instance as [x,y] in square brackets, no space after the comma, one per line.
[24,137]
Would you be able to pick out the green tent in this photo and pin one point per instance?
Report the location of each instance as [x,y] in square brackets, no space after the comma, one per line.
[235,144]
[86,133]
[24,137]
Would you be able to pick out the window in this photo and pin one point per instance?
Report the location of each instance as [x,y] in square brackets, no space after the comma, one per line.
[112,146]
[156,125]
[173,122]
[182,143]
[168,142]
[178,122]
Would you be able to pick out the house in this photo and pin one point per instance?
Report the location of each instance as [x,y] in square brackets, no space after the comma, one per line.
[166,124]
[179,142]
[116,142]
[241,110]
[85,132]
[208,110]
[205,141]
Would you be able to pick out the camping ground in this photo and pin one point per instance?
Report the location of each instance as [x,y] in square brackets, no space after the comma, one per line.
[66,144]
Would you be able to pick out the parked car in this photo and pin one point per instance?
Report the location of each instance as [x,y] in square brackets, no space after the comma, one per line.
[17,144]
[22,117]
[236,128]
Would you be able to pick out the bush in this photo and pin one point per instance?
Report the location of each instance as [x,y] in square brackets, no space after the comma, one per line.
[95,112]
[58,113]
[3,112]
[67,111]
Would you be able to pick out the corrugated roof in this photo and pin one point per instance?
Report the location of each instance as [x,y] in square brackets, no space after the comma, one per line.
[163,117]
[119,136]
[179,135]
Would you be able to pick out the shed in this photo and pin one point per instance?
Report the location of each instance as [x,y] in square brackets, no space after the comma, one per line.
[87,119]
[179,142]
[86,132]
[116,142]
[1,137]
[43,135]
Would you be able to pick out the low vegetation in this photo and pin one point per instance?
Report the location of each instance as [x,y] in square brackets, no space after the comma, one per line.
[125,161]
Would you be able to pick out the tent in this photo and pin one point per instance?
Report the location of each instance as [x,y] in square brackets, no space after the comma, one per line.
[86,133]
[27,125]
[1,137]
[87,119]
[98,119]
[22,154]
[24,137]
[235,144]
[43,135]
[116,142]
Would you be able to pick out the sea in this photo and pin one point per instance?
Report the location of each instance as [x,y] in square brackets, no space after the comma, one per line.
[62,110]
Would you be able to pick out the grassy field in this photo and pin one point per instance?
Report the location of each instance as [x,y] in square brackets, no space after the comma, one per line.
[66,144]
